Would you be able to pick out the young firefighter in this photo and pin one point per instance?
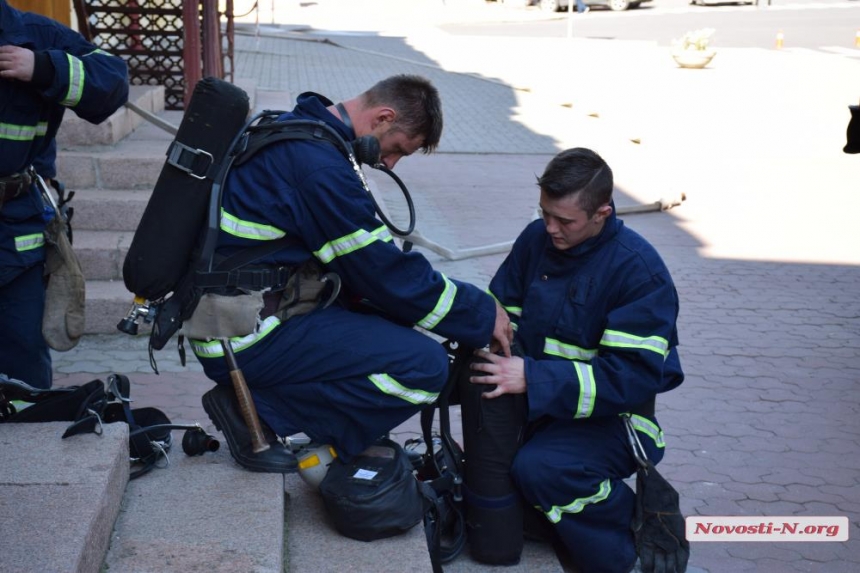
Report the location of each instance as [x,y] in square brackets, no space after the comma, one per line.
[594,311]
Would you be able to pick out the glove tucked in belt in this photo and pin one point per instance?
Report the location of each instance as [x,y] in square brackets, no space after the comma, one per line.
[14,186]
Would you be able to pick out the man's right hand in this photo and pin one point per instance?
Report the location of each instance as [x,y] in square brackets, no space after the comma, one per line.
[503,332]
[16,63]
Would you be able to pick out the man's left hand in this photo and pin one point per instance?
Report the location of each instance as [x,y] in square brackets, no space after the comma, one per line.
[16,63]
[507,373]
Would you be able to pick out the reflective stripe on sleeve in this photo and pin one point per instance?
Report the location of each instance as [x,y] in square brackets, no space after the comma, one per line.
[587,389]
[392,387]
[29,242]
[446,301]
[514,310]
[14,132]
[248,230]
[213,349]
[76,82]
[557,348]
[351,243]
[649,428]
[555,513]
[618,339]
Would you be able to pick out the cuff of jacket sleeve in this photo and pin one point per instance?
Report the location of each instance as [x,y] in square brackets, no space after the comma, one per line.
[43,70]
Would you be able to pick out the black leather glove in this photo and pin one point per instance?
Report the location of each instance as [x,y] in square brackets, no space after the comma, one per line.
[658,526]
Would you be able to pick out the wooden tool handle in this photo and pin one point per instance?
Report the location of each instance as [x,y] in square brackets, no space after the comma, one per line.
[246,403]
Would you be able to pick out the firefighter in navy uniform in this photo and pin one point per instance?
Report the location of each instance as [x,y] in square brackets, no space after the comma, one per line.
[594,310]
[44,69]
[340,374]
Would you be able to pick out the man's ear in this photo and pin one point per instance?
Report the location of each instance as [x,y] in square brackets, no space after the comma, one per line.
[602,213]
[383,115]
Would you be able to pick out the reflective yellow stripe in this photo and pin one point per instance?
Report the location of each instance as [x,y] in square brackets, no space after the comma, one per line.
[76,82]
[587,390]
[555,513]
[618,339]
[14,132]
[351,243]
[555,347]
[446,301]
[99,52]
[515,310]
[392,387]
[247,230]
[29,242]
[213,349]
[649,428]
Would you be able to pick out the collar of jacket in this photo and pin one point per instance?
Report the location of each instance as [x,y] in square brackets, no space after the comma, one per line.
[311,105]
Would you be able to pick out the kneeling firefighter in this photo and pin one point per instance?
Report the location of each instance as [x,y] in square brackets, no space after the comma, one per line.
[347,371]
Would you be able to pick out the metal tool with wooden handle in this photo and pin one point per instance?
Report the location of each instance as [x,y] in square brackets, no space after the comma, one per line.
[246,403]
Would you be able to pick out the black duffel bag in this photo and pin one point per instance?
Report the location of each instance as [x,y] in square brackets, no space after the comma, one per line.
[375,495]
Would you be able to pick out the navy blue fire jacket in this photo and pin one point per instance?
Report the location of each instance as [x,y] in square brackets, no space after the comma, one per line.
[308,190]
[596,321]
[70,73]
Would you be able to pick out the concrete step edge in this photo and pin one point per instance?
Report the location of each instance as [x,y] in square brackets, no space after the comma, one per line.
[63,496]
[77,131]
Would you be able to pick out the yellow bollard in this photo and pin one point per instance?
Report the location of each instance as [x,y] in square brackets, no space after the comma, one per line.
[779,38]
[857,39]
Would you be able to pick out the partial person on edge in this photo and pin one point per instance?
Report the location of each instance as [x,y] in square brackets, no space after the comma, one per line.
[45,68]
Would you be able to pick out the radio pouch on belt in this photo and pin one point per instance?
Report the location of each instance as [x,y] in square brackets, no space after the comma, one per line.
[492,434]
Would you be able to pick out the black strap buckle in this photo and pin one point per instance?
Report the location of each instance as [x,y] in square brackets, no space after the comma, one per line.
[188,159]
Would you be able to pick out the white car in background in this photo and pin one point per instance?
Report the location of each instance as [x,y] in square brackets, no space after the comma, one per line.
[558,5]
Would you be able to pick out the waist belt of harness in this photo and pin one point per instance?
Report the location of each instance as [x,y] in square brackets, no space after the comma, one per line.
[247,278]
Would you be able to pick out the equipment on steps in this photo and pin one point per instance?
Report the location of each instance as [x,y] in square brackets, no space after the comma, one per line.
[99,402]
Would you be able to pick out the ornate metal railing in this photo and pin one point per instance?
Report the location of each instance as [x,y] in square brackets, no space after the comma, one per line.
[172,43]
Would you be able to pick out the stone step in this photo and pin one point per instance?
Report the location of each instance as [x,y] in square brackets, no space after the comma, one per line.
[108,301]
[76,131]
[109,209]
[130,164]
[102,253]
[59,498]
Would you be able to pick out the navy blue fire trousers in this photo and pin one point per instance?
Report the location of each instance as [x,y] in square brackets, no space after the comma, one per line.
[24,355]
[343,378]
[572,471]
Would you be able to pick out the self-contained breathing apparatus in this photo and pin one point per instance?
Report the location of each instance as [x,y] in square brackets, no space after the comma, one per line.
[171,263]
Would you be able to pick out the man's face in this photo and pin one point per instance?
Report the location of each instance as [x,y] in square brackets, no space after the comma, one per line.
[567,224]
[394,144]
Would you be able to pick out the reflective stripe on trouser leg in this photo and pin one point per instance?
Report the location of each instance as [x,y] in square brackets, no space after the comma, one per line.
[343,378]
[573,471]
